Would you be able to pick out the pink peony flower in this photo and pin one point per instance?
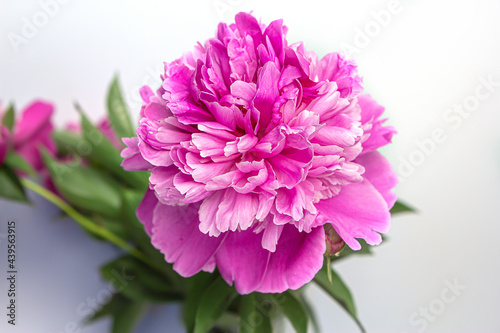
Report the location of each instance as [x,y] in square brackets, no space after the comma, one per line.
[254,146]
[32,130]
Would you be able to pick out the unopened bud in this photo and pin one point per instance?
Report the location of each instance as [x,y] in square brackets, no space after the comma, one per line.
[334,244]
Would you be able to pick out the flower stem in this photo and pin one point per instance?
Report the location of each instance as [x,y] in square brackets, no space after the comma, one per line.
[85,222]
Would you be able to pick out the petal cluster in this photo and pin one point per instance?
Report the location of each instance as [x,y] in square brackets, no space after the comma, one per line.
[253,146]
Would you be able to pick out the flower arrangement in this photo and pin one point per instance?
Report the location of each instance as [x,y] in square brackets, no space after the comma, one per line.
[254,169]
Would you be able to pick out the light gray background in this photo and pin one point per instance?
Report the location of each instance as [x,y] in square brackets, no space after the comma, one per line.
[427,59]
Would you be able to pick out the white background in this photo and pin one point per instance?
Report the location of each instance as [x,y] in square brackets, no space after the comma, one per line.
[427,59]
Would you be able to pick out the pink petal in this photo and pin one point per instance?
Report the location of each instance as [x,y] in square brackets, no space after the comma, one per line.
[236,211]
[133,160]
[378,135]
[145,210]
[358,211]
[380,173]
[176,235]
[35,117]
[242,259]
[267,92]
[298,257]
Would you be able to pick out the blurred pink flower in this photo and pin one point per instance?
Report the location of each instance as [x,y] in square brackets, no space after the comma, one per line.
[31,131]
[253,146]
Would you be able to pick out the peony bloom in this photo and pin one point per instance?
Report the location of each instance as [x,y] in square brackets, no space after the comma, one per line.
[254,146]
[33,130]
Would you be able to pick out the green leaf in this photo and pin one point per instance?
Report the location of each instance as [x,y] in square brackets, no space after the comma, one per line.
[215,300]
[293,309]
[254,315]
[197,285]
[131,200]
[138,281]
[128,317]
[17,162]
[125,312]
[85,188]
[8,117]
[108,157]
[118,113]
[310,312]
[339,291]
[400,207]
[110,308]
[10,186]
[69,143]
[115,225]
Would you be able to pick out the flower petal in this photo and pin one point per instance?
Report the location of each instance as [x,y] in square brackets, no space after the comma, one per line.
[298,257]
[242,259]
[381,175]
[176,234]
[358,211]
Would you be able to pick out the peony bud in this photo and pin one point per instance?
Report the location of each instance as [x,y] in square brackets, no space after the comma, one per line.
[334,244]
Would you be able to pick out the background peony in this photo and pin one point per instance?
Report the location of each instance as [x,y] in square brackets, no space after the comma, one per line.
[30,132]
[253,146]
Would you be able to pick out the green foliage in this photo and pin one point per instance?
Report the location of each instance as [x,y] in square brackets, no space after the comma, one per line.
[214,301]
[10,185]
[17,162]
[139,282]
[117,111]
[294,310]
[85,188]
[338,290]
[125,312]
[103,154]
[400,207]
[9,117]
[255,316]
[70,143]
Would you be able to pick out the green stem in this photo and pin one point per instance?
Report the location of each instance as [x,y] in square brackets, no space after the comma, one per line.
[84,222]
